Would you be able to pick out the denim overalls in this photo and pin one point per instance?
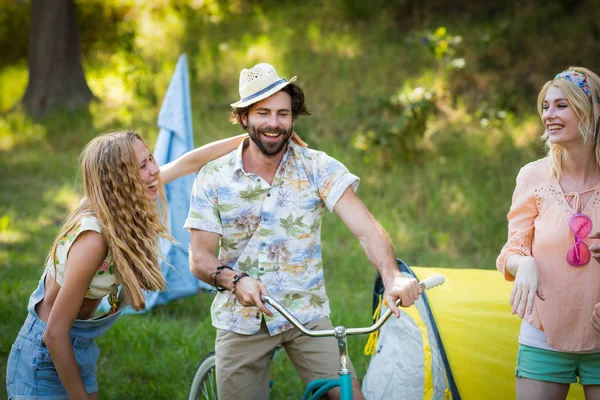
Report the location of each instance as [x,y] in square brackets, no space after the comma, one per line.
[30,373]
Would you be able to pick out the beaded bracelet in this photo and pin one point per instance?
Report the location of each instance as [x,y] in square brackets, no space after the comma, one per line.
[236,279]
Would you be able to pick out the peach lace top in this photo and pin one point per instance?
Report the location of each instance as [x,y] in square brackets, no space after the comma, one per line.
[538,226]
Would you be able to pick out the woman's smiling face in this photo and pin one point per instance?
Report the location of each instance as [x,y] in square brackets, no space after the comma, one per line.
[148,169]
[559,118]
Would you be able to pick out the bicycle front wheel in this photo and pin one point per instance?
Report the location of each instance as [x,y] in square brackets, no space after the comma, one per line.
[204,384]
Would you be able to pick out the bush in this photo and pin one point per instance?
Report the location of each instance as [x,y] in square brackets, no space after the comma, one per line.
[14,24]
[395,125]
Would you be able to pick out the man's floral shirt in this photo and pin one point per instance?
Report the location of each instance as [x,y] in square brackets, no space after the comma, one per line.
[272,232]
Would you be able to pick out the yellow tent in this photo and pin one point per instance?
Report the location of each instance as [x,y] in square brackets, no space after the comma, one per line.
[478,331]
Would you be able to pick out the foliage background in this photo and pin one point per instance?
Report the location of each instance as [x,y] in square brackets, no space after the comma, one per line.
[431,102]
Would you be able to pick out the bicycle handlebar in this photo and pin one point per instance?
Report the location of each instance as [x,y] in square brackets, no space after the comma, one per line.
[426,283]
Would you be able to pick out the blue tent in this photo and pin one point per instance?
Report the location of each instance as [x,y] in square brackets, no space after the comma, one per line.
[175,138]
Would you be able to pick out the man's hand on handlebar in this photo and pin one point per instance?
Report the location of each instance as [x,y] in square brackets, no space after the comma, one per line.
[405,289]
[248,291]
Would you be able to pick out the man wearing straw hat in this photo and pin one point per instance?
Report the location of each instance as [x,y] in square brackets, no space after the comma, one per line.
[263,204]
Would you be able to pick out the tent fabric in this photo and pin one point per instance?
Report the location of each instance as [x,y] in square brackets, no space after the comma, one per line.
[175,138]
[478,331]
[468,324]
[408,360]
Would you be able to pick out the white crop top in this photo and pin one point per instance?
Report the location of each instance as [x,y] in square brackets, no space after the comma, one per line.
[104,282]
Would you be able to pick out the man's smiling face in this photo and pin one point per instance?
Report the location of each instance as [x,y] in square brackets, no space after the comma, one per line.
[270,123]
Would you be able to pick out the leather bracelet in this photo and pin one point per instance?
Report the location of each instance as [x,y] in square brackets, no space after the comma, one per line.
[215,274]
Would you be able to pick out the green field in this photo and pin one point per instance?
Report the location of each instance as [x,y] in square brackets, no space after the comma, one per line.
[434,111]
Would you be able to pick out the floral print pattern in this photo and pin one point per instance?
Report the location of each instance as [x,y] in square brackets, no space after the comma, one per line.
[104,282]
[105,268]
[272,232]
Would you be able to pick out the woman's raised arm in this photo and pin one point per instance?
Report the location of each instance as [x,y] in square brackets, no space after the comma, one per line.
[193,160]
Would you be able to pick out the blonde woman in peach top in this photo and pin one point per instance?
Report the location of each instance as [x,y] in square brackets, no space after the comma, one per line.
[553,248]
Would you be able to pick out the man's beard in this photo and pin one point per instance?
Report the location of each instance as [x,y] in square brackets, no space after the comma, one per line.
[266,147]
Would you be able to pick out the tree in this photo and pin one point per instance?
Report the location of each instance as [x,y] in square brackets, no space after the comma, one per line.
[56,77]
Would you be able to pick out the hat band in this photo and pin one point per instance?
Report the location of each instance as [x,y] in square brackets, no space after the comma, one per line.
[271,86]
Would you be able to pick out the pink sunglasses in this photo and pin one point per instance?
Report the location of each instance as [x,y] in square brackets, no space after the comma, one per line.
[581,226]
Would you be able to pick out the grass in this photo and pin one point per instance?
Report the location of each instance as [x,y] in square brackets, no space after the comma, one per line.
[444,208]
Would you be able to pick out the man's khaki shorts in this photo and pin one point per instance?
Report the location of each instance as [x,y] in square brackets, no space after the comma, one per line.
[243,360]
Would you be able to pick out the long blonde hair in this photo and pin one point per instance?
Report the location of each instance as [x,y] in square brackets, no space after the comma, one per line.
[584,106]
[130,222]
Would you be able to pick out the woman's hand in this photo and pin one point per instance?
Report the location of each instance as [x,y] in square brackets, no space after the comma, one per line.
[596,317]
[525,288]
[595,247]
[296,139]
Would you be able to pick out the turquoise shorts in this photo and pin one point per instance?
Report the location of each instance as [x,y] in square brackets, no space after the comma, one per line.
[557,366]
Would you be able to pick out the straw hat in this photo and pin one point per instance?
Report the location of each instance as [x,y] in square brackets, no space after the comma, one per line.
[258,83]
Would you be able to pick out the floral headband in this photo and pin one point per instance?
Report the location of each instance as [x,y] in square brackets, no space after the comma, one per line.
[577,78]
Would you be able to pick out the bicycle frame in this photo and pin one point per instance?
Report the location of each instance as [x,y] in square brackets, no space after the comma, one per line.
[317,388]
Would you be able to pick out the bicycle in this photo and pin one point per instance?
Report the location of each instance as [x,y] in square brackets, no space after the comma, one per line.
[204,382]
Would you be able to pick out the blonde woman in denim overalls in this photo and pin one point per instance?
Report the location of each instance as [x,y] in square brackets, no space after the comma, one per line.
[108,242]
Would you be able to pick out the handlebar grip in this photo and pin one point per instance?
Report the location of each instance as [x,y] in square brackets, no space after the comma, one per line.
[432,281]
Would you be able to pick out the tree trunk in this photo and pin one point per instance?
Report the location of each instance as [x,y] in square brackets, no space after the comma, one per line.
[56,78]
